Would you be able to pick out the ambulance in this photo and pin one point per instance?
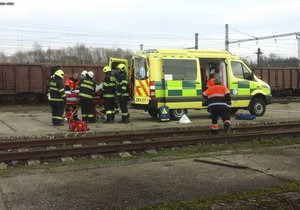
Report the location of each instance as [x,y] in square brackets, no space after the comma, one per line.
[177,79]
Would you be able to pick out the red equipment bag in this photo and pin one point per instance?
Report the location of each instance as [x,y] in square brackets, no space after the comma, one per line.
[78,126]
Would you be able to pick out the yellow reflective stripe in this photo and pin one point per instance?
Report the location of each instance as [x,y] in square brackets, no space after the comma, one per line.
[53,83]
[112,78]
[90,115]
[109,95]
[109,84]
[87,86]
[125,82]
[63,96]
[125,114]
[57,117]
[62,90]
[56,99]
[124,88]
[124,94]
[87,81]
[85,95]
[53,88]
[110,112]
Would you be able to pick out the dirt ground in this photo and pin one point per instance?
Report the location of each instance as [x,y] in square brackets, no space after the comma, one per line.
[142,183]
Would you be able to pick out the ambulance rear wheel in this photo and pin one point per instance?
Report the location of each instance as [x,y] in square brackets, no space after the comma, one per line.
[257,107]
[176,114]
[153,112]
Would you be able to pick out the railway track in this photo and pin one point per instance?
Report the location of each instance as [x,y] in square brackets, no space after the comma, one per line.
[285,100]
[65,147]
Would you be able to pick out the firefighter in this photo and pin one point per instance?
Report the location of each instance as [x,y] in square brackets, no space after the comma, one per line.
[72,82]
[218,103]
[123,92]
[87,88]
[57,98]
[109,94]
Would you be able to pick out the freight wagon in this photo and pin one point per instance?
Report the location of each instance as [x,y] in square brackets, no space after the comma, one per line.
[283,82]
[28,83]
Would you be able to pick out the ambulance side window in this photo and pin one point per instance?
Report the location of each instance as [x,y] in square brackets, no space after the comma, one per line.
[240,71]
[180,69]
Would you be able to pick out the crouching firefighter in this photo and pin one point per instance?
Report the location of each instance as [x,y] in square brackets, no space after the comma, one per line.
[109,94]
[57,97]
[123,92]
[87,87]
[218,103]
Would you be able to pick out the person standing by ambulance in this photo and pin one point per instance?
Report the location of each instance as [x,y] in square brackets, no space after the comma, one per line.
[109,94]
[123,92]
[87,87]
[218,104]
[57,97]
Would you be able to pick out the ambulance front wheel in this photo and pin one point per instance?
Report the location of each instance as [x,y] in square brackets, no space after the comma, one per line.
[176,114]
[257,107]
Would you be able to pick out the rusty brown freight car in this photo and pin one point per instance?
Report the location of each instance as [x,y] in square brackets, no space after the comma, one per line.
[283,82]
[28,83]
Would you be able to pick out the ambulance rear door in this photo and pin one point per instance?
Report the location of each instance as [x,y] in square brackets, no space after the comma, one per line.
[141,86]
[114,62]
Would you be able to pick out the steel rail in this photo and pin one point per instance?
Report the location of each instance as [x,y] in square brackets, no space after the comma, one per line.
[13,144]
[143,145]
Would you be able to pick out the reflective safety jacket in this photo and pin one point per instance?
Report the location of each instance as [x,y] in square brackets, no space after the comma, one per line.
[218,97]
[56,89]
[71,83]
[109,86]
[122,85]
[87,87]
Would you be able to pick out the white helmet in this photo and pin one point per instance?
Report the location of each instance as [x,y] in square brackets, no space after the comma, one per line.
[83,74]
[91,74]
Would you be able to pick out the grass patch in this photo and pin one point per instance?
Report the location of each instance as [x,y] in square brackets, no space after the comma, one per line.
[256,199]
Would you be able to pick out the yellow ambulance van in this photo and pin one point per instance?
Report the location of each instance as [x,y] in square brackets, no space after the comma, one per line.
[177,79]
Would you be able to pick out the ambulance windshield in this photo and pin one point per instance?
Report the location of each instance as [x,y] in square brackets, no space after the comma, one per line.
[140,68]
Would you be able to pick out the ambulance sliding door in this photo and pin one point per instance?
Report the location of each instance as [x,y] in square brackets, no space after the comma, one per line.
[183,86]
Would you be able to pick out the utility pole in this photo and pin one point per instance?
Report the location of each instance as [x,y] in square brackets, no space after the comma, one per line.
[259,52]
[226,38]
[141,47]
[298,39]
[196,41]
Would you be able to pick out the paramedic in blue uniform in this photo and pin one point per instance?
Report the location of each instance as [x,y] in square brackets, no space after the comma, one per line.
[123,92]
[218,104]
[87,87]
[57,97]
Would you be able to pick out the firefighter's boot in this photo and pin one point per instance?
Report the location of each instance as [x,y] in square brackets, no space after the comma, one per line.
[109,119]
[214,132]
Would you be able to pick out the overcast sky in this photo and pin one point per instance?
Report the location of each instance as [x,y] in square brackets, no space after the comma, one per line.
[154,23]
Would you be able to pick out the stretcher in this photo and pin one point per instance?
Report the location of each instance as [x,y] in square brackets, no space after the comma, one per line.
[73,105]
